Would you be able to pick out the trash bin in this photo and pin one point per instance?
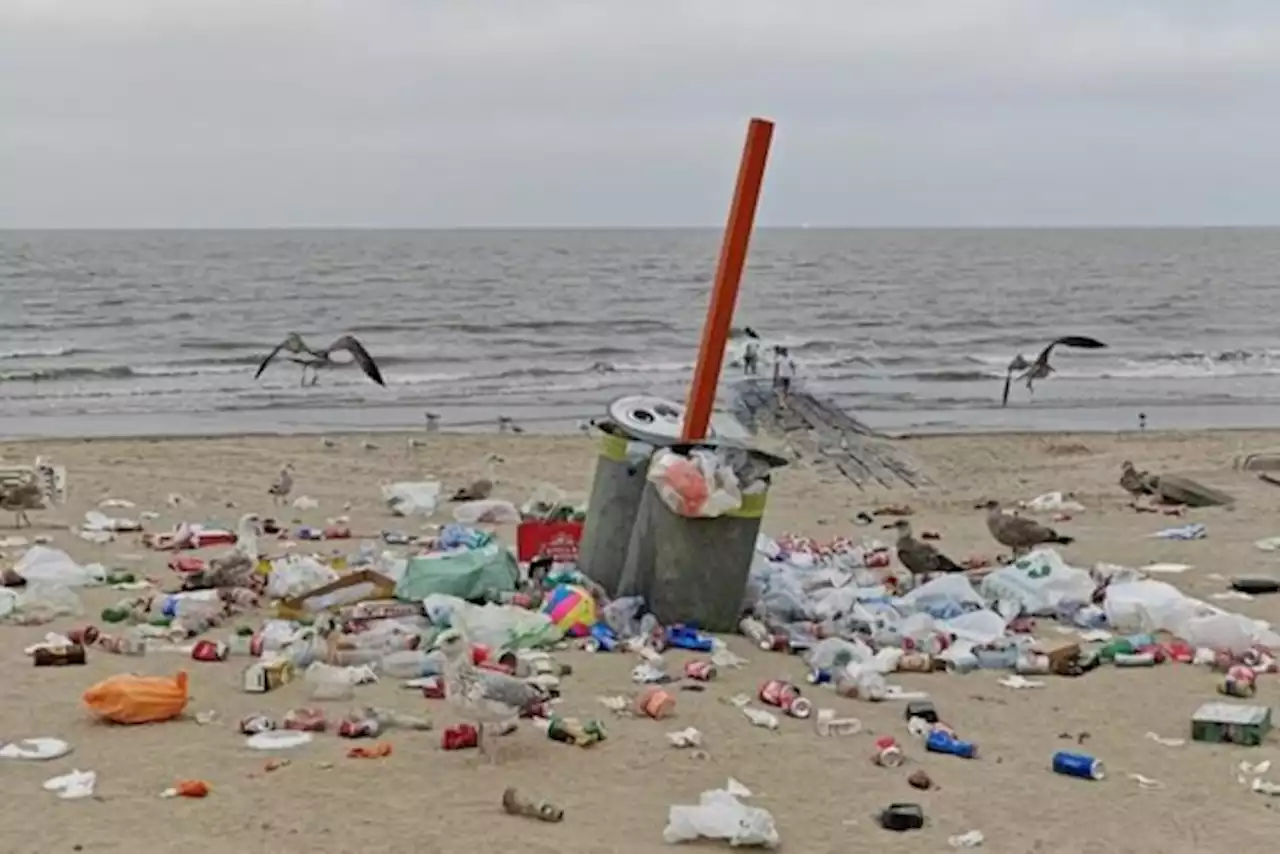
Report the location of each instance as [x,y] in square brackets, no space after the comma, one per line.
[616,492]
[694,570]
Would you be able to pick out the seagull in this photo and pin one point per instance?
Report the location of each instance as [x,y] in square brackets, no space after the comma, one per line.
[1018,532]
[1040,368]
[236,567]
[477,490]
[415,443]
[22,496]
[506,425]
[279,491]
[483,696]
[299,353]
[369,445]
[433,421]
[920,557]
[326,442]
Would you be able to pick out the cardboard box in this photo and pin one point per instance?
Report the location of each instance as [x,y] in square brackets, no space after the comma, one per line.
[355,587]
[263,676]
[556,540]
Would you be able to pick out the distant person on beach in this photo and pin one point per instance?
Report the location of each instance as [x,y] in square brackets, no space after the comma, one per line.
[751,359]
[784,371]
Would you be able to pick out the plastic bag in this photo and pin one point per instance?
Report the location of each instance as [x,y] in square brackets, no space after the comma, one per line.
[720,815]
[410,497]
[38,604]
[696,485]
[42,565]
[1038,583]
[128,699]
[491,511]
[330,683]
[294,575]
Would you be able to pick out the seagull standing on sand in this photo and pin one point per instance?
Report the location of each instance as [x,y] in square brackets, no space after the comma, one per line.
[433,421]
[22,496]
[297,351]
[1040,368]
[283,485]
[483,696]
[920,557]
[482,487]
[237,567]
[1020,533]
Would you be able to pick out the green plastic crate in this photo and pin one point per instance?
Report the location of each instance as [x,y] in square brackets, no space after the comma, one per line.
[1227,723]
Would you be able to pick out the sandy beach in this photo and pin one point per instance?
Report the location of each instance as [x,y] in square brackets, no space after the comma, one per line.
[822,792]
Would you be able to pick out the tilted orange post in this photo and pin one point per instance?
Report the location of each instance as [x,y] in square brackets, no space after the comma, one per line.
[724,295]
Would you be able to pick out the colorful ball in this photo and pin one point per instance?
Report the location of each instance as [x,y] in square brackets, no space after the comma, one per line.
[571,608]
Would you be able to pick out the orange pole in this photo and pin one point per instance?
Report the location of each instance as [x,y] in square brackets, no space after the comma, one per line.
[724,295]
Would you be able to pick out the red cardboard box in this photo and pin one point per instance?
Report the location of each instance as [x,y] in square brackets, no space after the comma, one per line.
[557,540]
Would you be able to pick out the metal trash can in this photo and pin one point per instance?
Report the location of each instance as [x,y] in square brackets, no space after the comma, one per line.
[616,492]
[694,570]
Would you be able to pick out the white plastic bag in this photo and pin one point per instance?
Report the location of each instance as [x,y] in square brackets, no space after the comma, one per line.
[491,511]
[43,565]
[330,683]
[294,575]
[695,486]
[43,603]
[1038,582]
[410,497]
[720,815]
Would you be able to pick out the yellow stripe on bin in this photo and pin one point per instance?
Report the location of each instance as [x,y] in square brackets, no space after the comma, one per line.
[752,506]
[613,448]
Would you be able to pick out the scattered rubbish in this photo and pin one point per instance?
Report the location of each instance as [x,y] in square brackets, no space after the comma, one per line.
[827,724]
[187,789]
[1165,568]
[887,753]
[1052,502]
[972,839]
[761,718]
[74,786]
[720,815]
[1166,742]
[1255,769]
[940,741]
[685,738]
[278,739]
[920,780]
[653,702]
[1145,782]
[305,502]
[902,817]
[129,699]
[1255,586]
[377,750]
[1225,723]
[514,804]
[1239,681]
[412,498]
[785,696]
[1078,765]
[35,749]
[1016,681]
[1194,531]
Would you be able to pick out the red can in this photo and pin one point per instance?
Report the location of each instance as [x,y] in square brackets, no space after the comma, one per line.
[207,650]
[360,727]
[460,737]
[785,696]
[888,754]
[876,560]
[433,688]
[1240,681]
[703,671]
[85,636]
[306,720]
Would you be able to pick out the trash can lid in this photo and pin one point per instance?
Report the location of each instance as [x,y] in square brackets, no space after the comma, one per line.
[655,420]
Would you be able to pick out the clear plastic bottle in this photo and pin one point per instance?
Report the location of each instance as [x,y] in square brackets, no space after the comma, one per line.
[405,664]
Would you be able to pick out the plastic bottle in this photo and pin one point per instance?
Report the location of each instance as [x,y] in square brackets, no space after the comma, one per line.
[405,664]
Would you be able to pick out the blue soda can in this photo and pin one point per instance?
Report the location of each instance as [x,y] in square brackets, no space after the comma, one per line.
[819,677]
[943,742]
[602,638]
[1078,765]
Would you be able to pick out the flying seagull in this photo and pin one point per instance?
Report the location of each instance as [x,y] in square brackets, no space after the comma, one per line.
[297,351]
[1040,368]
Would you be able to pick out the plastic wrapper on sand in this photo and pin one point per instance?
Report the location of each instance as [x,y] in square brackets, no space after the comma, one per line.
[720,815]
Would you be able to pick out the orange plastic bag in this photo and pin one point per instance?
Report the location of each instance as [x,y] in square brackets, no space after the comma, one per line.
[127,699]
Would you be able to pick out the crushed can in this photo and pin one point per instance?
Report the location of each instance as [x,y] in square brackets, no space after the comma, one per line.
[360,726]
[700,670]
[433,688]
[887,752]
[207,650]
[254,724]
[306,720]
[85,635]
[460,737]
[1240,681]
[783,695]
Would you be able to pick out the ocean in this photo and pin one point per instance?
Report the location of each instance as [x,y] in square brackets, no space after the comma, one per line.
[160,332]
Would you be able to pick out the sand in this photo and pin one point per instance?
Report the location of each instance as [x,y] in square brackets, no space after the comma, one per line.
[822,792]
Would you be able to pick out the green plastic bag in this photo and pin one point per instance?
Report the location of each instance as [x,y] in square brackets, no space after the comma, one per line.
[466,574]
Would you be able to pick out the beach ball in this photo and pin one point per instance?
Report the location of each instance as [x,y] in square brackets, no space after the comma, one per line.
[571,608]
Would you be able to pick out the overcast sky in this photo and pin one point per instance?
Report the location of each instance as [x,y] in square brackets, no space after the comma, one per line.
[436,113]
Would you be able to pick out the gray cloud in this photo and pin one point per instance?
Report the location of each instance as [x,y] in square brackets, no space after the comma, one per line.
[608,112]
